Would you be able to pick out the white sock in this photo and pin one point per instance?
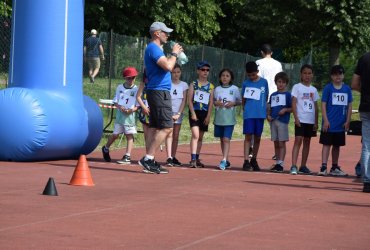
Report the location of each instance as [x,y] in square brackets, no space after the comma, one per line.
[149,157]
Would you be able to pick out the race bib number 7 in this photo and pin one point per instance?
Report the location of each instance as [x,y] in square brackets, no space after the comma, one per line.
[127,101]
[252,93]
[201,96]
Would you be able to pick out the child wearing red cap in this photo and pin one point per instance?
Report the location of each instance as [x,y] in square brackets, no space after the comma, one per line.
[125,102]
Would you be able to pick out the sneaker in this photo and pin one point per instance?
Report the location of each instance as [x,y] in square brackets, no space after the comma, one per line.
[366,187]
[193,163]
[304,170]
[323,171]
[176,162]
[293,170]
[106,155]
[255,165]
[247,166]
[228,164]
[169,162]
[163,170]
[199,164]
[358,170]
[222,165]
[337,172]
[277,168]
[274,157]
[125,160]
[149,166]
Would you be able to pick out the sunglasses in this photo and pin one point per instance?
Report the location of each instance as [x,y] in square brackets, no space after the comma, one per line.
[204,70]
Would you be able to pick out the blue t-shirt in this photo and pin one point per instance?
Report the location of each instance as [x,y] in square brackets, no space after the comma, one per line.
[278,101]
[255,95]
[337,101]
[92,46]
[158,78]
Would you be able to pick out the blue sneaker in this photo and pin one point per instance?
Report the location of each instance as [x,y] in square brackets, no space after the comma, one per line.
[293,170]
[228,164]
[358,170]
[222,165]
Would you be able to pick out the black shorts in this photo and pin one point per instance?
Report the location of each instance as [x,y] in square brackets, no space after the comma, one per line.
[333,138]
[305,130]
[201,115]
[160,104]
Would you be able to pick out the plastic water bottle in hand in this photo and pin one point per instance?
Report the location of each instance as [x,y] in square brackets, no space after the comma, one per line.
[181,58]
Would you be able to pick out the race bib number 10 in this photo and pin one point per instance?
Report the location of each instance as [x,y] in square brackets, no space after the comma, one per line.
[339,99]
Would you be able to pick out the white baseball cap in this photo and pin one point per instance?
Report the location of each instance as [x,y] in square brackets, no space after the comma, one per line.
[159,26]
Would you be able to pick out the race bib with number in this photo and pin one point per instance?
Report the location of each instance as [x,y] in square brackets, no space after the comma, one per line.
[127,101]
[252,93]
[225,96]
[278,100]
[201,96]
[308,106]
[177,92]
[339,99]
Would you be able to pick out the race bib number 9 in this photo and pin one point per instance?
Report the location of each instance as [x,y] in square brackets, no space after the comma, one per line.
[278,100]
[339,99]
[177,92]
[201,96]
[308,106]
[252,93]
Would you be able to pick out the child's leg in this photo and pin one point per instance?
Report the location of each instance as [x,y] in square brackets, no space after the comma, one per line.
[148,134]
[168,143]
[305,150]
[130,143]
[200,142]
[277,150]
[256,145]
[175,138]
[194,140]
[225,147]
[111,139]
[335,155]
[325,154]
[296,147]
[281,151]
[247,145]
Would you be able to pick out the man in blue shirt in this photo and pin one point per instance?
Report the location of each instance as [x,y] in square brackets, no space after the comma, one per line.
[92,48]
[158,70]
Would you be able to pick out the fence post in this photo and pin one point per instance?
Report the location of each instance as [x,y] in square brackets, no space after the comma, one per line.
[110,63]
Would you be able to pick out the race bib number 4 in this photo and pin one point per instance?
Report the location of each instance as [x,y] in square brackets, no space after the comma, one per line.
[252,93]
[177,92]
[278,100]
[201,96]
[339,99]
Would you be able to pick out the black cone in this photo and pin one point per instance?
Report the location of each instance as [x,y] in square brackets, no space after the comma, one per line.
[50,188]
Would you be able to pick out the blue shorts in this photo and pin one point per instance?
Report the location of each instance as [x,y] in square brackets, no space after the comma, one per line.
[224,131]
[253,126]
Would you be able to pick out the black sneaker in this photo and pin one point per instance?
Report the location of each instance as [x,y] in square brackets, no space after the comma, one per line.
[125,160]
[228,165]
[247,166]
[304,170]
[277,168]
[163,170]
[149,166]
[358,170]
[323,170]
[106,155]
[176,162]
[169,162]
[366,187]
[199,164]
[255,165]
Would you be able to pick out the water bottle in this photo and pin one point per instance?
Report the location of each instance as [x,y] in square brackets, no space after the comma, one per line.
[181,58]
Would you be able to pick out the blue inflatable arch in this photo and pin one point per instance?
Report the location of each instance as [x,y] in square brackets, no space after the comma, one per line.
[44,114]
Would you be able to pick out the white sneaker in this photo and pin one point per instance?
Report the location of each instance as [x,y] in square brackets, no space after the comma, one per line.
[337,172]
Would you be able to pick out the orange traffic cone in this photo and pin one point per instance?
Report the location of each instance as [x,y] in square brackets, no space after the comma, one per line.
[82,175]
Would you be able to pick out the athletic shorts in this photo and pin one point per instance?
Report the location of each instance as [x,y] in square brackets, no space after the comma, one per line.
[305,130]
[279,131]
[93,63]
[333,138]
[124,129]
[224,131]
[160,104]
[201,115]
[253,126]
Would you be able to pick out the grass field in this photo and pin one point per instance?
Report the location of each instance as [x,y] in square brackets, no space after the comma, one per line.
[100,90]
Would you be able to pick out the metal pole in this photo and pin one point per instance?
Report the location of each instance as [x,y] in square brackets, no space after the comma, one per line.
[110,64]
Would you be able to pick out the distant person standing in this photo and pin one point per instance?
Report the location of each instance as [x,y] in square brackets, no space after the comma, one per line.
[92,47]
[361,83]
[268,67]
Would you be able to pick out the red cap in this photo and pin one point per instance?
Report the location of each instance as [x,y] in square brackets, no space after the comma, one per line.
[129,72]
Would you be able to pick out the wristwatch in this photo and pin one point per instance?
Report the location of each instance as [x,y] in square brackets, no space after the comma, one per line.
[174,54]
[179,113]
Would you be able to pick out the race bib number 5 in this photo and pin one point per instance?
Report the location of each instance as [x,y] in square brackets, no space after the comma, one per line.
[201,96]
[339,99]
[252,93]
